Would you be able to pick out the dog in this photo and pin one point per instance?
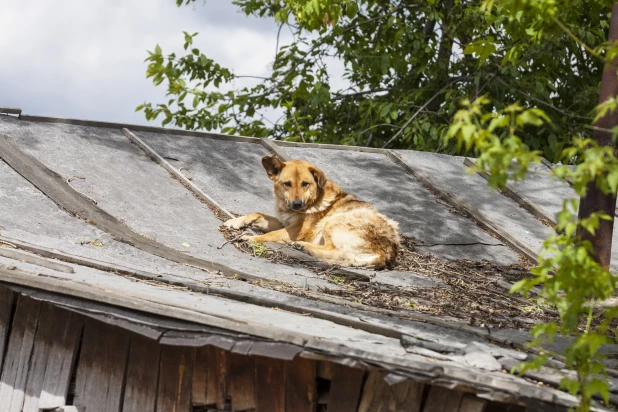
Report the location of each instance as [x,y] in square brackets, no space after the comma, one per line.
[318,217]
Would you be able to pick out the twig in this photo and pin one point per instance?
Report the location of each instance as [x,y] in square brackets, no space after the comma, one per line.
[68,181]
[392,139]
[544,102]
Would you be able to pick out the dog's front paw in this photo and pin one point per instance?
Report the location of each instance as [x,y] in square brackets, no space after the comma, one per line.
[236,223]
[297,246]
[248,238]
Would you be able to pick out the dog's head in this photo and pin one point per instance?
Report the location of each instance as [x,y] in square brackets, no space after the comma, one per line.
[297,183]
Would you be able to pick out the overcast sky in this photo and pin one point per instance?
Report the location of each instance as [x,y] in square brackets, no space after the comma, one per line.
[85,58]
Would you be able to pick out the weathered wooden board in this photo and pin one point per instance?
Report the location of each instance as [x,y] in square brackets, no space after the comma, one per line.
[376,393]
[7,298]
[472,404]
[242,382]
[407,396]
[35,260]
[200,375]
[43,341]
[19,351]
[140,394]
[68,330]
[216,376]
[345,388]
[175,376]
[300,385]
[269,385]
[100,371]
[442,399]
[379,396]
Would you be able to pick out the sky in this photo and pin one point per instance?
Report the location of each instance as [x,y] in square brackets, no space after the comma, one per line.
[84,59]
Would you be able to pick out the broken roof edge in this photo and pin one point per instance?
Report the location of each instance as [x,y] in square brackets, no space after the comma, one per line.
[135,127]
[227,334]
[10,110]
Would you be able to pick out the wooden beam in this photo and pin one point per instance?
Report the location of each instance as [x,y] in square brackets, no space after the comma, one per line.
[175,377]
[518,197]
[140,393]
[18,355]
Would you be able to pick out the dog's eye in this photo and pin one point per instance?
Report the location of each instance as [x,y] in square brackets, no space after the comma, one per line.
[287,184]
[305,185]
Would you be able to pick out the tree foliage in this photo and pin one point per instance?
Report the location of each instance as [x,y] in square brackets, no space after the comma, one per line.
[408,63]
[527,72]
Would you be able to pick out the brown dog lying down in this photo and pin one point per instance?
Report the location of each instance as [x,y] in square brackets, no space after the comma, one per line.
[322,219]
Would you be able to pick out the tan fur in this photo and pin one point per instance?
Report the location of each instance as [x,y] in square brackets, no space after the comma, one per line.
[328,223]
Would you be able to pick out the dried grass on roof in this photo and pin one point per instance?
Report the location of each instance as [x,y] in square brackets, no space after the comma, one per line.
[475,292]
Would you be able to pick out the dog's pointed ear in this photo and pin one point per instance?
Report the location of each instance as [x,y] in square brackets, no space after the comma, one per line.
[319,176]
[273,166]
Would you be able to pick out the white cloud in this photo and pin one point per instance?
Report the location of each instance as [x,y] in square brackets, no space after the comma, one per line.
[84,59]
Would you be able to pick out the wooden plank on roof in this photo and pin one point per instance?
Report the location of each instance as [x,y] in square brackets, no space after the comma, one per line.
[269,385]
[175,376]
[68,328]
[442,399]
[216,376]
[140,394]
[45,335]
[7,298]
[19,351]
[101,368]
[242,382]
[345,388]
[10,110]
[300,392]
[35,260]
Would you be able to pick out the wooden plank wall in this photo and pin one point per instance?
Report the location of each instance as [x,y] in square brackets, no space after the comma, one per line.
[54,359]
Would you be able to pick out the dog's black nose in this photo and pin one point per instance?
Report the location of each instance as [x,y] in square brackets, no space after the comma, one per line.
[297,204]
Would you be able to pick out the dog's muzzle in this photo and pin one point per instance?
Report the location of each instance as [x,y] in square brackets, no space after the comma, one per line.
[296,205]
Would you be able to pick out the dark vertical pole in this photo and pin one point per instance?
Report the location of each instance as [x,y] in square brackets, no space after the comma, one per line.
[596,200]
